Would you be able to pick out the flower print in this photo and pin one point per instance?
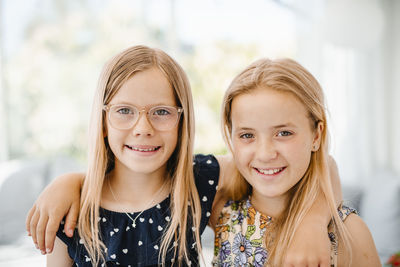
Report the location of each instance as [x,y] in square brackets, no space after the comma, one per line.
[237,217]
[251,215]
[264,220]
[222,234]
[331,236]
[223,218]
[242,249]
[260,257]
[225,250]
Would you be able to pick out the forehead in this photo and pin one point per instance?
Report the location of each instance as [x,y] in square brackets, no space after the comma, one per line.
[264,107]
[144,88]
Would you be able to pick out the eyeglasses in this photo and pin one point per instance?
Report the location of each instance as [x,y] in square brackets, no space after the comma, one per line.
[162,118]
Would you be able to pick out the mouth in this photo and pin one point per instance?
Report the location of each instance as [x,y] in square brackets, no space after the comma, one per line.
[269,171]
[142,148]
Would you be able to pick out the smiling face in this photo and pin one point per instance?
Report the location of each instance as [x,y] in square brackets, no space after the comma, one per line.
[143,149]
[272,140]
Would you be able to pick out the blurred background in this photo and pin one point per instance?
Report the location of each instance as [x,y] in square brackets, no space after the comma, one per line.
[52,52]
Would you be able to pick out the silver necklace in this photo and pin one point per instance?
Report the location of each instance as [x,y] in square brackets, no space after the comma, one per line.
[146,207]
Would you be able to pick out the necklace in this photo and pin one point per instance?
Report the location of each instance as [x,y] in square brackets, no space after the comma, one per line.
[145,208]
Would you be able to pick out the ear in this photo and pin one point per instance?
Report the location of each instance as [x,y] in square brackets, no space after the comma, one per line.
[317,136]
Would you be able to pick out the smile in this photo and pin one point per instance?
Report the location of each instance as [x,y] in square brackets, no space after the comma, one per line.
[144,148]
[270,171]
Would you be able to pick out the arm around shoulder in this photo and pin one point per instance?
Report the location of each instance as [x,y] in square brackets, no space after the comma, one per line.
[61,197]
[363,248]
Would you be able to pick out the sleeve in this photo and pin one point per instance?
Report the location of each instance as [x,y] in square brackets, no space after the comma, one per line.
[345,211]
[206,175]
[75,248]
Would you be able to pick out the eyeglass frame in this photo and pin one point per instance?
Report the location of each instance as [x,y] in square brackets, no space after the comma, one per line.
[108,107]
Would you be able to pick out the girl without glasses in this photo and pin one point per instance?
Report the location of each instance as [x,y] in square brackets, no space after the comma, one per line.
[275,126]
[144,200]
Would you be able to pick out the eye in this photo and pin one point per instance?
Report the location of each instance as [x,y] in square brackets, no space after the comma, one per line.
[162,111]
[125,111]
[284,133]
[246,136]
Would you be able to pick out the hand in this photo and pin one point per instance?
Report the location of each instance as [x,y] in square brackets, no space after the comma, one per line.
[310,247]
[59,198]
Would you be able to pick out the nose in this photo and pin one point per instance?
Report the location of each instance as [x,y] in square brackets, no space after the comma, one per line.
[142,126]
[266,150]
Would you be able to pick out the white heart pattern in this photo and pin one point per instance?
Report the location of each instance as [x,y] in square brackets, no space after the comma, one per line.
[113,256]
[204,199]
[208,214]
[125,250]
[104,219]
[159,228]
[167,218]
[140,243]
[127,228]
[211,182]
[209,161]
[116,230]
[150,220]
[111,233]
[81,241]
[141,219]
[155,247]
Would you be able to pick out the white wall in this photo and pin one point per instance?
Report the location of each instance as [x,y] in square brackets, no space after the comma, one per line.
[353,49]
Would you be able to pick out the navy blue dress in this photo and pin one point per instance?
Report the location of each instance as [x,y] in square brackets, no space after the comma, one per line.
[140,246]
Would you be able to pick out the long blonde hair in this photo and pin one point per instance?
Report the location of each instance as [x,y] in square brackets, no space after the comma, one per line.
[286,75]
[179,166]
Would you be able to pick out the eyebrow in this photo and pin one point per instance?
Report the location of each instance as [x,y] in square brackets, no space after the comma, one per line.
[284,125]
[152,105]
[273,127]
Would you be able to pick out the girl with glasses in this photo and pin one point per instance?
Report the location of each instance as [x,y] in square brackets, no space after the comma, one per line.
[144,199]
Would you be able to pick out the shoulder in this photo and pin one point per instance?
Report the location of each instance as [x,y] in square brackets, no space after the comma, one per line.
[362,245]
[206,174]
[203,164]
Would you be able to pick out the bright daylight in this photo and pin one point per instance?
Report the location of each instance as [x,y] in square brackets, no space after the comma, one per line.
[125,132]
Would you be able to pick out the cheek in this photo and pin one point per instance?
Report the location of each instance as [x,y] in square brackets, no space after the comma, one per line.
[171,139]
[112,138]
[241,153]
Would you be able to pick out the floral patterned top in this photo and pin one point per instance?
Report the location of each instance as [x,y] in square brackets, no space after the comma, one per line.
[241,232]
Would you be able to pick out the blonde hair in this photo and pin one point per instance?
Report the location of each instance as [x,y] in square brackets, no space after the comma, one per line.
[286,75]
[185,202]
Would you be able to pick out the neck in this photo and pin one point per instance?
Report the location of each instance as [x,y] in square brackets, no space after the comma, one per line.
[126,191]
[271,206]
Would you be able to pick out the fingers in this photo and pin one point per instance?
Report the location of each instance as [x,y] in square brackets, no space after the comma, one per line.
[28,220]
[33,224]
[40,232]
[71,219]
[51,231]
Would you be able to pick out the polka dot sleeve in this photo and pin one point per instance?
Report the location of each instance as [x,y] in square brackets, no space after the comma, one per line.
[206,174]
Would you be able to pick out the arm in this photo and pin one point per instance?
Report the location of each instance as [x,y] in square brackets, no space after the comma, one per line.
[362,245]
[315,251]
[59,256]
[59,198]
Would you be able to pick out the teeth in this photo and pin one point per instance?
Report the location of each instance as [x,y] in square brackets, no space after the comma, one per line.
[270,171]
[143,149]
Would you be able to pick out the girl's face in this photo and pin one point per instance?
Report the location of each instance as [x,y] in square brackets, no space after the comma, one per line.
[143,149]
[272,140]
